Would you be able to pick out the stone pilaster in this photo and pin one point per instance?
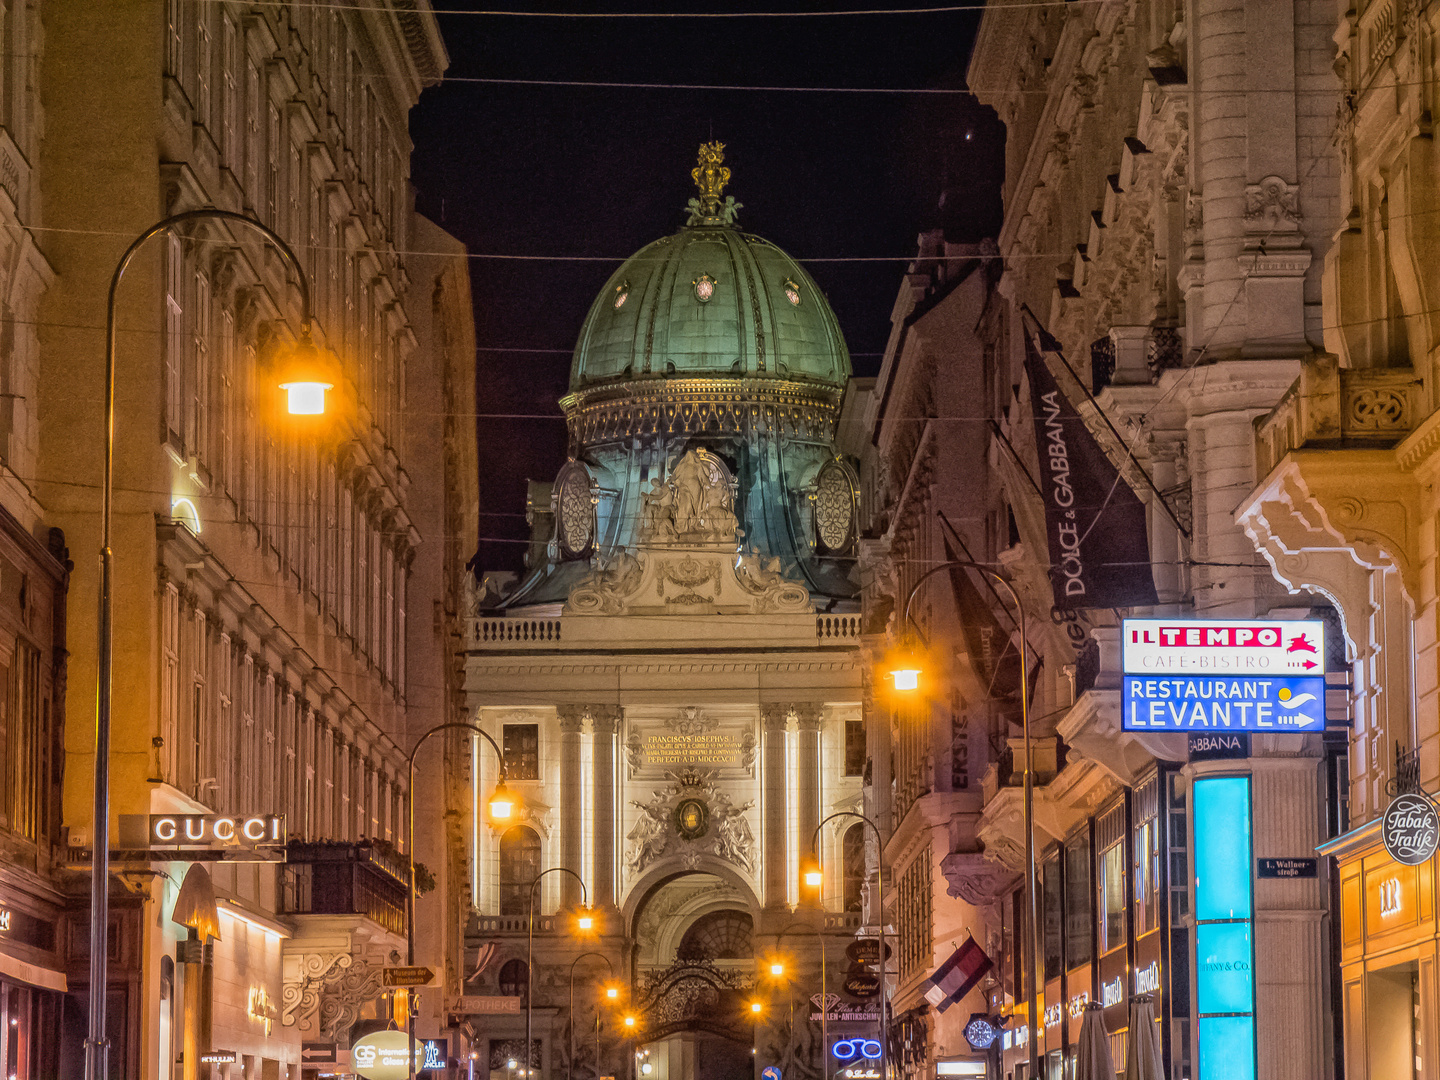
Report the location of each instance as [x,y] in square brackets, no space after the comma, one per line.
[807,787]
[605,722]
[776,818]
[572,719]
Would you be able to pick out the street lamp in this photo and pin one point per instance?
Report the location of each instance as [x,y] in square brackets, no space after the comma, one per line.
[906,677]
[587,919]
[500,793]
[97,1046]
[814,876]
[610,992]
[824,982]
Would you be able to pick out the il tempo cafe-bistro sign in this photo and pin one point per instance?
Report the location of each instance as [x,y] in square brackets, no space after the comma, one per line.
[1192,675]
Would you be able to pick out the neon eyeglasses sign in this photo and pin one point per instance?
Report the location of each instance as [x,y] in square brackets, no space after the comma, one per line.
[846,1049]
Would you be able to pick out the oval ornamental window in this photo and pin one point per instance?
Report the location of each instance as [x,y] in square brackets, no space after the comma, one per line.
[834,508]
[575,511]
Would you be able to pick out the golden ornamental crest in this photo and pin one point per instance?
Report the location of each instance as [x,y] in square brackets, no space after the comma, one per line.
[711,176]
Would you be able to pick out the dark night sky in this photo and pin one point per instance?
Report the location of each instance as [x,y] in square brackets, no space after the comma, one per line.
[556,171]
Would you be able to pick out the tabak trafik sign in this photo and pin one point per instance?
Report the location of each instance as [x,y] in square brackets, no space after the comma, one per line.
[1189,675]
[1410,829]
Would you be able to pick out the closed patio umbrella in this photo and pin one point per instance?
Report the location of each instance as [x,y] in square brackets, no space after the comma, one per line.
[1142,1059]
[1093,1061]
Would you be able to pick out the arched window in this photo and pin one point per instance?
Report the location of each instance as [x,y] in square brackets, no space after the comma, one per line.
[513,977]
[720,935]
[852,856]
[519,866]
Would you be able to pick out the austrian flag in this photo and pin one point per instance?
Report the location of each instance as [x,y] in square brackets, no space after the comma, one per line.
[957,976]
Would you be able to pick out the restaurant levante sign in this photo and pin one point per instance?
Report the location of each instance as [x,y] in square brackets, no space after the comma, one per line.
[1238,676]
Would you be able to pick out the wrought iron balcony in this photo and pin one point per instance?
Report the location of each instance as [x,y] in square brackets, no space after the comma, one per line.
[333,878]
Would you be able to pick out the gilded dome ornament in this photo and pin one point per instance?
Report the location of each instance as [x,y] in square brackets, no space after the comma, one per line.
[622,293]
[710,177]
[792,292]
[704,288]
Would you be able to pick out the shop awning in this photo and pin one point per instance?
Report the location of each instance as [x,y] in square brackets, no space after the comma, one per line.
[33,974]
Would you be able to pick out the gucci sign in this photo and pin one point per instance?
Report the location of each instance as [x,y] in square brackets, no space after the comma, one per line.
[202,830]
[1410,829]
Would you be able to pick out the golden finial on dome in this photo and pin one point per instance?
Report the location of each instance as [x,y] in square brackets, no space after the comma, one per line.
[711,176]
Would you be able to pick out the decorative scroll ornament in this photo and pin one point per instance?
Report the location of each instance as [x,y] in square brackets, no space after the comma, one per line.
[710,177]
[690,818]
[324,992]
[575,501]
[604,590]
[1272,205]
[764,579]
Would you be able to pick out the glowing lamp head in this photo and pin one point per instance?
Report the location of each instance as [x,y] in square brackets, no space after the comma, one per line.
[585,920]
[646,1068]
[511,1063]
[305,380]
[612,992]
[777,968]
[630,1022]
[813,875]
[756,1008]
[502,803]
[906,678]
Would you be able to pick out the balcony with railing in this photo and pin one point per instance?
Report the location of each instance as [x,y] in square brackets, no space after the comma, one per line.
[497,633]
[358,879]
[1330,407]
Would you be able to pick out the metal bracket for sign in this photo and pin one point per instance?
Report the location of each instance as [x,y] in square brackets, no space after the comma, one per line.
[79,858]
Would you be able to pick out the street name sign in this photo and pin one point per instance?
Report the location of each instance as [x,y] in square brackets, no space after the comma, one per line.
[407,976]
[1286,868]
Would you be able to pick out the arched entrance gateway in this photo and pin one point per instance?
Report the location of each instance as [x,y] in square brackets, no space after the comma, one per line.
[676,687]
[695,976]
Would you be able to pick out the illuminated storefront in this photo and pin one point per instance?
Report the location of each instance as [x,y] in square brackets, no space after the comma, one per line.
[1388,947]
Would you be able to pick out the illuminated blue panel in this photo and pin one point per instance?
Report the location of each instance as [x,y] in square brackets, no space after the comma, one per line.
[1223,703]
[1224,982]
[1222,847]
[1227,1047]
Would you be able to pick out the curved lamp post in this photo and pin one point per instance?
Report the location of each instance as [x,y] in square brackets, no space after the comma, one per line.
[501,804]
[611,967]
[824,986]
[815,878]
[307,395]
[907,679]
[585,923]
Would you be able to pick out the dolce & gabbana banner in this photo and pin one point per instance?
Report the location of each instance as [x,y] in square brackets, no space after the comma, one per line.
[1095,524]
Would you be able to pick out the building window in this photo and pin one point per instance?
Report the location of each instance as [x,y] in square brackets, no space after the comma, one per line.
[522,751]
[1145,856]
[1079,943]
[719,935]
[1053,915]
[852,857]
[914,917]
[1179,853]
[854,747]
[513,977]
[519,866]
[1110,843]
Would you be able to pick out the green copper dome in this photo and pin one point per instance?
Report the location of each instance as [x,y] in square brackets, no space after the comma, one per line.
[710,300]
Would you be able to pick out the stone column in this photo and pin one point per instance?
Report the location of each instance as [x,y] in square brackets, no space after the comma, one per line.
[604,721]
[776,782]
[572,718]
[807,787]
